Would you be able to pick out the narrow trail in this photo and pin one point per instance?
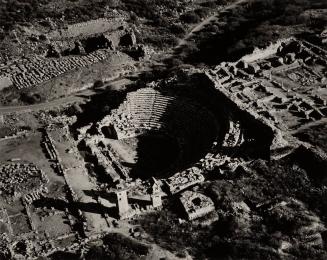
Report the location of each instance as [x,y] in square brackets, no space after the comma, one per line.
[41,106]
[207,21]
[78,96]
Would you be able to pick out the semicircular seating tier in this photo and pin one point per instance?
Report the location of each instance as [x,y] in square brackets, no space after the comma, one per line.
[146,110]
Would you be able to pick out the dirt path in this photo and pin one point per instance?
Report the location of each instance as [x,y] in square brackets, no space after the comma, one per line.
[207,21]
[46,105]
[79,96]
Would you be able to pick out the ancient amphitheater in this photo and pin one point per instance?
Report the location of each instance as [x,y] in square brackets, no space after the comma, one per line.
[208,154]
[152,130]
[148,112]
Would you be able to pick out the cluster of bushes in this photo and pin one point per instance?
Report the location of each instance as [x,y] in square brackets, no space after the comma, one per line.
[116,246]
[250,232]
[177,29]
[195,16]
[190,17]
[112,246]
[161,41]
[147,8]
[162,21]
[30,98]
[142,8]
[14,12]
[19,11]
[255,24]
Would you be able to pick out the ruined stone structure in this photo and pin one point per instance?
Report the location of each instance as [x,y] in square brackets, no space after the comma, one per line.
[164,142]
[156,196]
[147,113]
[196,205]
[85,29]
[87,37]
[20,179]
[35,70]
[286,88]
[156,200]
[35,195]
[251,88]
[122,203]
[183,180]
[77,46]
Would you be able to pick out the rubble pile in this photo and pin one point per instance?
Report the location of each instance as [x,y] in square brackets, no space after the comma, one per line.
[183,180]
[49,146]
[36,194]
[36,69]
[104,163]
[18,179]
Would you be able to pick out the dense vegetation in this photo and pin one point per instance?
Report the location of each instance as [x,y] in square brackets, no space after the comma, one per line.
[255,217]
[166,19]
[25,12]
[112,246]
[163,19]
[18,11]
[256,23]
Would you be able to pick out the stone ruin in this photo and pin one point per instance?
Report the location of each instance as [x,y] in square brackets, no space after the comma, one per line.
[21,180]
[198,133]
[34,70]
[77,46]
[149,113]
[196,205]
[87,37]
[245,87]
[280,87]
[183,180]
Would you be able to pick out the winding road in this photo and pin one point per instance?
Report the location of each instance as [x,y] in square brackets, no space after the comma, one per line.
[79,96]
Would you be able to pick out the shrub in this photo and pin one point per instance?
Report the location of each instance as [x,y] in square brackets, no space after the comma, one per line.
[161,21]
[190,17]
[133,18]
[177,29]
[202,12]
[210,4]
[98,84]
